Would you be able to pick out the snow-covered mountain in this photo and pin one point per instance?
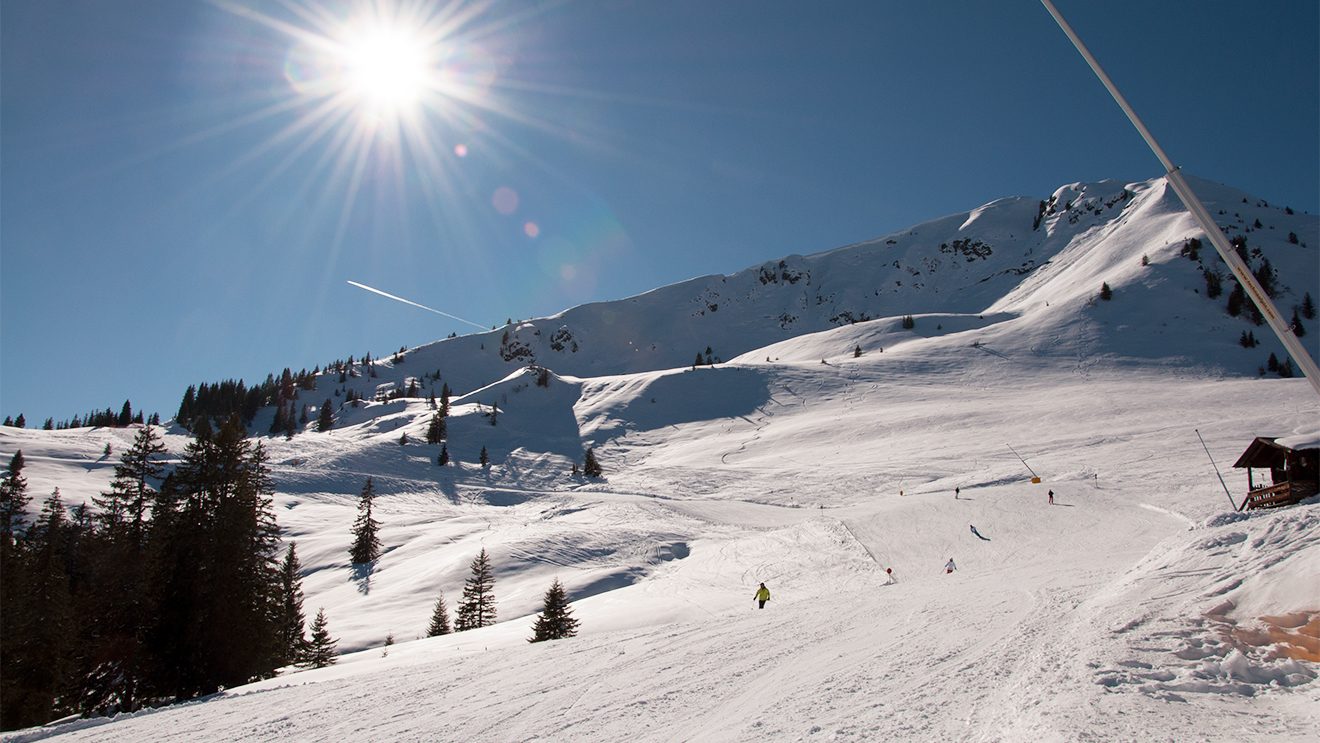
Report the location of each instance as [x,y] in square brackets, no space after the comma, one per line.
[1139,606]
[973,275]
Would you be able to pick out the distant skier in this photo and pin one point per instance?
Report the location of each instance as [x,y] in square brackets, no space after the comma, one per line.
[1051,497]
[890,572]
[762,596]
[956,491]
[949,567]
[976,533]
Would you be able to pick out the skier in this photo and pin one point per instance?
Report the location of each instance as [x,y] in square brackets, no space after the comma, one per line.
[890,572]
[949,567]
[976,533]
[1051,497]
[762,596]
[956,491]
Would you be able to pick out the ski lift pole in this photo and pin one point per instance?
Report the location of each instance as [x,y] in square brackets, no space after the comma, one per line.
[1035,478]
[1212,464]
[1173,175]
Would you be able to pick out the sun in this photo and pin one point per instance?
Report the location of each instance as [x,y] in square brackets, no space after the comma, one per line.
[386,68]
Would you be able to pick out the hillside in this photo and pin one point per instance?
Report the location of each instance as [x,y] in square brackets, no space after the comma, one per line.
[1138,606]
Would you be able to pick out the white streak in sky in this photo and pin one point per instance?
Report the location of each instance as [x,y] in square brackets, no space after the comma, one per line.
[414,304]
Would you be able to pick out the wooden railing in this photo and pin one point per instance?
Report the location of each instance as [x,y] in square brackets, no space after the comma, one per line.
[1285,493]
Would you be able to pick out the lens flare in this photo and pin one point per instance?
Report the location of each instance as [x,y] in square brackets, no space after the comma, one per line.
[505,200]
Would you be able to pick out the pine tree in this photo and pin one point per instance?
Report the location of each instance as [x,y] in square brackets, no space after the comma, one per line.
[1236,299]
[321,649]
[1105,292]
[1308,307]
[857,352]
[443,459]
[130,491]
[1265,276]
[37,667]
[477,608]
[555,621]
[1298,329]
[215,584]
[366,544]
[293,624]
[909,322]
[326,420]
[484,457]
[591,467]
[435,431]
[439,619]
[13,499]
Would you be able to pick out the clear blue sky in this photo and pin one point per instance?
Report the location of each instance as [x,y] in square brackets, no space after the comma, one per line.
[175,209]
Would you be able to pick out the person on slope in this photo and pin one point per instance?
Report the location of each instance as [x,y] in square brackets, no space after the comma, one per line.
[762,596]
[976,533]
[1051,497]
[949,567]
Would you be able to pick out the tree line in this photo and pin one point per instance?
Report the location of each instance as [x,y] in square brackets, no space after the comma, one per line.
[107,418]
[170,590]
[172,586]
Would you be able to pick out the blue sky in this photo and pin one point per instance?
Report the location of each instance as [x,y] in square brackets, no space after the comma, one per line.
[186,187]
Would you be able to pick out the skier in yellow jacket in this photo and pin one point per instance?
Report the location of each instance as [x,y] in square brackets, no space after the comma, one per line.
[762,596]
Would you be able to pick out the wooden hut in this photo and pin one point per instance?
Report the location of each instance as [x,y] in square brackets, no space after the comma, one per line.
[1294,471]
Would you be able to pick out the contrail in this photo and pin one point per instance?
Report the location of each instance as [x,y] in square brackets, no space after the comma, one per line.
[414,304]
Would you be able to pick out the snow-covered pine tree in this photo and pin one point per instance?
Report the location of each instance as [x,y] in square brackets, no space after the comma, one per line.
[366,544]
[484,458]
[556,620]
[321,650]
[439,618]
[477,608]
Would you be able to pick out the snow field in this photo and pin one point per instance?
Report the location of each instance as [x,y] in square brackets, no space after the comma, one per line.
[1138,607]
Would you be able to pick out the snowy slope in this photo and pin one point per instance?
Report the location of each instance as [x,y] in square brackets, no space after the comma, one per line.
[1139,606]
[1105,616]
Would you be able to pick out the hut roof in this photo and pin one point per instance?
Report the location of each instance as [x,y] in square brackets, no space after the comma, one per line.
[1270,452]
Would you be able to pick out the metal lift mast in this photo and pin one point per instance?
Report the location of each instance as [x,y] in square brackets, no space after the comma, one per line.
[1180,186]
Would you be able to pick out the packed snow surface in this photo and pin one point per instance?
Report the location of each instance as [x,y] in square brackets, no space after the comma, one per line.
[1140,605]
